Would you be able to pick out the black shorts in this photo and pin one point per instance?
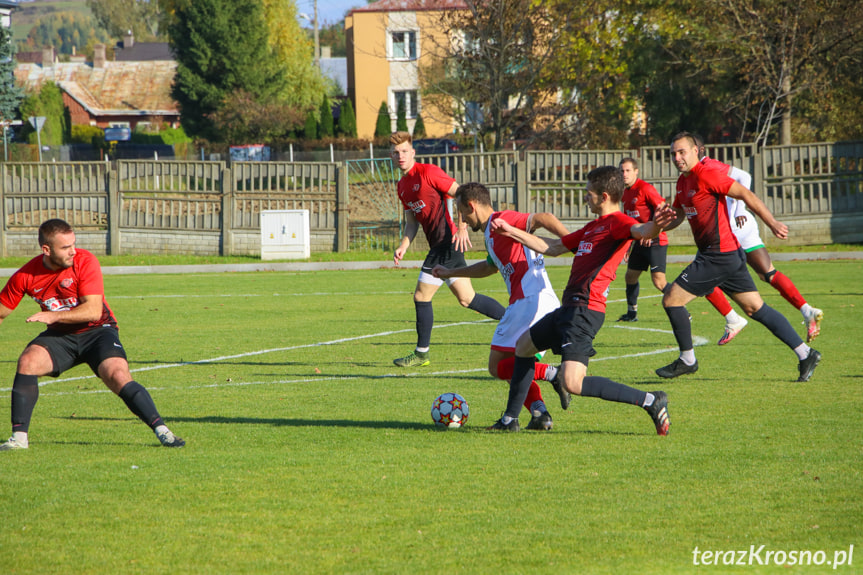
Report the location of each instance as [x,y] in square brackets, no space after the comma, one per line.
[642,258]
[568,332]
[445,255]
[727,270]
[70,349]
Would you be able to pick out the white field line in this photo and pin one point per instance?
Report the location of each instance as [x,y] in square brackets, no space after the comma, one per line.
[697,340]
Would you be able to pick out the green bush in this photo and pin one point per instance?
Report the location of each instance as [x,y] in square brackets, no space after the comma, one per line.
[86,134]
[347,120]
[383,128]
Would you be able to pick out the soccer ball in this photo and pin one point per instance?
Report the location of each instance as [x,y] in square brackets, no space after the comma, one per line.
[450,410]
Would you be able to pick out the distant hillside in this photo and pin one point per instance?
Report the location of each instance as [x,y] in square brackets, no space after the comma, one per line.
[24,17]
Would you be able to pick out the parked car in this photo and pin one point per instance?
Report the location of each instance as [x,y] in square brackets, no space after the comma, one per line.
[436,146]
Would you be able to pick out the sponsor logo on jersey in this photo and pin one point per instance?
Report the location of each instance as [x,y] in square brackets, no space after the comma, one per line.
[56,304]
[417,206]
[584,248]
[539,261]
[633,213]
[595,230]
[691,212]
[67,282]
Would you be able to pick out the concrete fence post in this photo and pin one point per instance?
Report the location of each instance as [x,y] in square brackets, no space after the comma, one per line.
[227,220]
[342,211]
[112,177]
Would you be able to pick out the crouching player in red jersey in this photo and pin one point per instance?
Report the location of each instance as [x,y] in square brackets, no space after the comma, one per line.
[530,293]
[66,282]
[569,331]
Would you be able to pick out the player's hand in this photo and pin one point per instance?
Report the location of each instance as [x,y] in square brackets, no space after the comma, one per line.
[741,221]
[499,226]
[779,230]
[46,317]
[664,216]
[461,240]
[645,242]
[440,272]
[399,254]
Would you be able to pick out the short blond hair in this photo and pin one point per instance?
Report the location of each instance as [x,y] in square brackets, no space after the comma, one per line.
[397,138]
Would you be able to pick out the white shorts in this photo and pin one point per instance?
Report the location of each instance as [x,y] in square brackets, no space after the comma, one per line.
[519,316]
[427,278]
[748,235]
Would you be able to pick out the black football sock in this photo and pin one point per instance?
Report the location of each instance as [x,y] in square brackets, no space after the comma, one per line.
[604,388]
[25,394]
[425,321]
[778,325]
[681,326]
[632,296]
[487,306]
[519,385]
[139,402]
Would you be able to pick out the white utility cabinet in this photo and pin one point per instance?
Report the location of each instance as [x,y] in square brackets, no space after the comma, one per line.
[285,234]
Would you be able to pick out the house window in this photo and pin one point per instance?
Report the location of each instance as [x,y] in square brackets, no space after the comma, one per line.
[411,102]
[404,45]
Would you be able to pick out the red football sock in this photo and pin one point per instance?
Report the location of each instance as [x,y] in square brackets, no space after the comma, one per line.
[717,298]
[505,368]
[786,287]
[533,394]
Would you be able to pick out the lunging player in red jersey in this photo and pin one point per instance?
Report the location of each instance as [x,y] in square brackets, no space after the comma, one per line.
[569,331]
[530,293]
[66,282]
[720,261]
[424,190]
[640,201]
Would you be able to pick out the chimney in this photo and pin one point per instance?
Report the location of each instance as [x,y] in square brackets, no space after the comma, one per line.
[128,40]
[99,56]
[326,52]
[47,57]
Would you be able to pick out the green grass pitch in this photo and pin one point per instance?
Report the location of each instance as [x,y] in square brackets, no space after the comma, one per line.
[308,451]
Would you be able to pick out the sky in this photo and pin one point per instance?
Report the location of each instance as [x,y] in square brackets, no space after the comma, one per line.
[330,11]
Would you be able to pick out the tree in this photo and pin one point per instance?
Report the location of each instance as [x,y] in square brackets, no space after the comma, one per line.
[383,128]
[310,131]
[64,31]
[401,116]
[48,102]
[419,128]
[221,47]
[117,17]
[491,74]
[242,119]
[10,94]
[325,127]
[347,120]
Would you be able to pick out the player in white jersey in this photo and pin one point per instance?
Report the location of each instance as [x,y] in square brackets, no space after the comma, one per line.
[530,293]
[745,229]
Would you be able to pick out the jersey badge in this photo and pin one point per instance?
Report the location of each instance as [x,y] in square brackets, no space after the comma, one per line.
[66,282]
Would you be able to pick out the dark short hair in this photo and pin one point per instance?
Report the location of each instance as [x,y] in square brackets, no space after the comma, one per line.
[397,138]
[473,191]
[51,228]
[607,179]
[694,138]
[632,161]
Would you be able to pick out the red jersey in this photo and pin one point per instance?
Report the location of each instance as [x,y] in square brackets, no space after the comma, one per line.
[640,201]
[701,194]
[599,248]
[523,269]
[424,190]
[59,290]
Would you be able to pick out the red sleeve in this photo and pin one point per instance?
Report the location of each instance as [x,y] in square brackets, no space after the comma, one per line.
[515,219]
[89,275]
[651,196]
[439,179]
[622,228]
[572,240]
[14,291]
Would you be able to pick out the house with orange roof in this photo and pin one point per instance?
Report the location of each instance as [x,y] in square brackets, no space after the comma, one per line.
[387,43]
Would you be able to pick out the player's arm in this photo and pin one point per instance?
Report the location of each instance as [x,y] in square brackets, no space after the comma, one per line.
[4,312]
[481,269]
[662,218]
[547,246]
[757,207]
[411,228]
[89,309]
[461,239]
[548,221]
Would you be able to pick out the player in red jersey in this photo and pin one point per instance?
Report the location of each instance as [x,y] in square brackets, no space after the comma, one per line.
[569,331]
[66,282]
[701,195]
[423,191]
[758,258]
[640,201]
[530,293]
